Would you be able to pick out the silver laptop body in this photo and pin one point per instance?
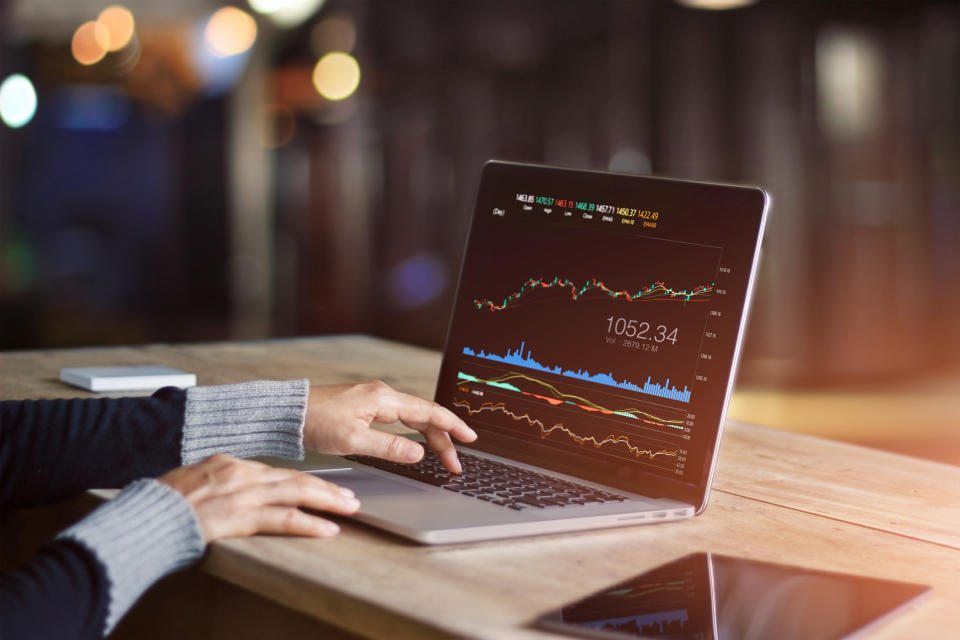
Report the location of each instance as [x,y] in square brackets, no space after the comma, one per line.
[594,339]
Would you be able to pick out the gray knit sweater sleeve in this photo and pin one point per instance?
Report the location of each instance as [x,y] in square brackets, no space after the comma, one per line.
[149,530]
[146,532]
[262,418]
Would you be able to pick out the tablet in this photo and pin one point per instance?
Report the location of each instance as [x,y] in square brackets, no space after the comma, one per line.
[707,596]
[139,378]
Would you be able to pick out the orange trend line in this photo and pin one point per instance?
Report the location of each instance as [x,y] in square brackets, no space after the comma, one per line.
[546,431]
[588,405]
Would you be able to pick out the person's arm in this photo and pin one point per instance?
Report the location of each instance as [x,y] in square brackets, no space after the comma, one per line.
[51,449]
[60,593]
[107,560]
[81,584]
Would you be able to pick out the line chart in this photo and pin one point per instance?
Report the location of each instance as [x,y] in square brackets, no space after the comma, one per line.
[522,358]
[656,291]
[559,398]
[545,431]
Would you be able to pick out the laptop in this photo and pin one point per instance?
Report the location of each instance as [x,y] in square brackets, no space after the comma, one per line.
[592,347]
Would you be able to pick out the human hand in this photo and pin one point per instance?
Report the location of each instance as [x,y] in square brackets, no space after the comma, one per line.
[339,416]
[234,497]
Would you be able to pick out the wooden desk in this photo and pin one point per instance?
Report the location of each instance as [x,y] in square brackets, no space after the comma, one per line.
[778,496]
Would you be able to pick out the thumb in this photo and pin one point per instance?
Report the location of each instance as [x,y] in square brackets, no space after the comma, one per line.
[388,446]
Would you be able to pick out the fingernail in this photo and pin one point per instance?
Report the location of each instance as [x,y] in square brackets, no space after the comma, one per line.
[351,503]
[411,453]
[346,492]
[330,528]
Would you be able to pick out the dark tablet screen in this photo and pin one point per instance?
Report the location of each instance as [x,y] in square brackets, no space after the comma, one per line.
[705,596]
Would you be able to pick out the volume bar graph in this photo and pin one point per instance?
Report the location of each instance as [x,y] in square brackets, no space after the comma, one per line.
[656,291]
[517,357]
[545,431]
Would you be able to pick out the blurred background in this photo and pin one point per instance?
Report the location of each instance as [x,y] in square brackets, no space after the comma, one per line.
[199,170]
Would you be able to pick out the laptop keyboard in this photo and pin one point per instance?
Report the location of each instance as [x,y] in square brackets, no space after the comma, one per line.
[496,482]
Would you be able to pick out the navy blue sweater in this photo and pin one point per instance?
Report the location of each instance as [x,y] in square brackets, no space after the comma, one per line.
[53,449]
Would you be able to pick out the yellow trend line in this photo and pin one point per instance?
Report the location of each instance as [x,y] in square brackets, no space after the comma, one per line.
[560,394]
[546,431]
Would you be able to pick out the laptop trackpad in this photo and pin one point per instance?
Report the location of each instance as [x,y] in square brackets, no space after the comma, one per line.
[366,484]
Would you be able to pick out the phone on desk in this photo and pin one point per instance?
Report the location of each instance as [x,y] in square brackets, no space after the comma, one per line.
[706,596]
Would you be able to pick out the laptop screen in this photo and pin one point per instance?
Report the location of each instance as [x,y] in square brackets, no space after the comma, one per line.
[596,322]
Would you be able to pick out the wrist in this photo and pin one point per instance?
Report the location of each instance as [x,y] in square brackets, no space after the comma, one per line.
[145,533]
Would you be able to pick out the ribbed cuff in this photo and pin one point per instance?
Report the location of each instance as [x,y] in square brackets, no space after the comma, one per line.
[262,418]
[146,532]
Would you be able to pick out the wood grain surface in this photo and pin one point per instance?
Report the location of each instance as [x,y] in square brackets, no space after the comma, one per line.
[778,496]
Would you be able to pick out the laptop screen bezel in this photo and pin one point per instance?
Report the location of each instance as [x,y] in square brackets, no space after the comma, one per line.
[695,493]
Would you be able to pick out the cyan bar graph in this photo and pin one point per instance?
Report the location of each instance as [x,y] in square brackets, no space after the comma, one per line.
[518,358]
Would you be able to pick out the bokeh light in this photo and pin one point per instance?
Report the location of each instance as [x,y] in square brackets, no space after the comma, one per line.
[90,107]
[286,13]
[333,34]
[118,21]
[90,44]
[18,101]
[417,281]
[215,74]
[849,68]
[229,32]
[336,76]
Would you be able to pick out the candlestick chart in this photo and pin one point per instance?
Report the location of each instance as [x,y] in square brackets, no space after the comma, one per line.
[656,291]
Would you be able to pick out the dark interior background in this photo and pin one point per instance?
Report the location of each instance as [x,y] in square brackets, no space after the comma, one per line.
[144,203]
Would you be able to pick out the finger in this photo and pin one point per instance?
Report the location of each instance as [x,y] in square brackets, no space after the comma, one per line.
[304,490]
[386,445]
[440,442]
[291,521]
[285,486]
[421,414]
[277,474]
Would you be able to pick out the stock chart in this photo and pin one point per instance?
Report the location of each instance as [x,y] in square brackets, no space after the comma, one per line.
[592,328]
